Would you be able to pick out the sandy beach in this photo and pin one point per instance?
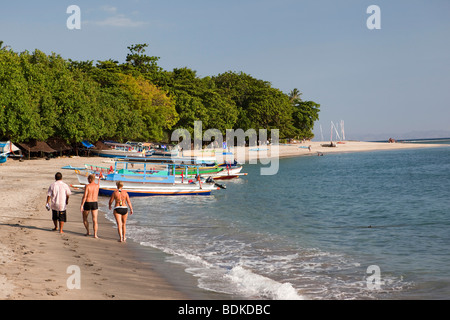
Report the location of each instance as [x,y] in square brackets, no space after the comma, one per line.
[34,260]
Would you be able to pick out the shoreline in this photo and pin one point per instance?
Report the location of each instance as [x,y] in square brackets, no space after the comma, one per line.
[301,149]
[34,259]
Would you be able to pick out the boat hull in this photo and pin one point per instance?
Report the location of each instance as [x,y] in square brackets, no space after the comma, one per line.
[136,189]
[120,154]
[227,174]
[137,192]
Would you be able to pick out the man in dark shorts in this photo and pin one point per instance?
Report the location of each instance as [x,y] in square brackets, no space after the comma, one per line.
[89,203]
[57,200]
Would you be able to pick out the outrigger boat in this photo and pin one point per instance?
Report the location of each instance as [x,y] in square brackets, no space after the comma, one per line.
[217,172]
[148,182]
[194,160]
[124,150]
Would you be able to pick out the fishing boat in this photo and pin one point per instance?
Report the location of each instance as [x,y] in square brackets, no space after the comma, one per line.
[204,161]
[164,151]
[124,150]
[230,172]
[136,191]
[181,172]
[146,181]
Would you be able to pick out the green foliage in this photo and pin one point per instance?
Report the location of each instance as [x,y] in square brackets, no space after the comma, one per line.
[260,106]
[43,96]
[305,113]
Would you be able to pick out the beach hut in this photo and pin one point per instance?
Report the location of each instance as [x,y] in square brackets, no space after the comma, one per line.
[37,147]
[59,145]
[99,145]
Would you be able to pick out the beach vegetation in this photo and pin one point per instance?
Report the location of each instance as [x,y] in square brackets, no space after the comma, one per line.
[44,96]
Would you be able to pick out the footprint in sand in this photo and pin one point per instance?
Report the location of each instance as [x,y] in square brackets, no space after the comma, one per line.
[52,293]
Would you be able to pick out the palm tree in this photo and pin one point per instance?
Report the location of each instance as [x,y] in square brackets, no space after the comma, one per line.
[294,95]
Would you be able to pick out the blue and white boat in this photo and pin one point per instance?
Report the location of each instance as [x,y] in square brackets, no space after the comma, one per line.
[124,150]
[147,181]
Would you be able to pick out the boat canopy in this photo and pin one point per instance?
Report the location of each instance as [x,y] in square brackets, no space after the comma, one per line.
[87,144]
[8,146]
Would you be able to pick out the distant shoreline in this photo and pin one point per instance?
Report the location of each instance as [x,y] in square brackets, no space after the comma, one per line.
[415,140]
[309,148]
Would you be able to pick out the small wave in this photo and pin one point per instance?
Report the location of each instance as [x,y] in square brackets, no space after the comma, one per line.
[257,286]
[236,280]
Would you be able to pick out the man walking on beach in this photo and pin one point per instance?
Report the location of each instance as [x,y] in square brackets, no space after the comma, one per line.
[89,203]
[57,200]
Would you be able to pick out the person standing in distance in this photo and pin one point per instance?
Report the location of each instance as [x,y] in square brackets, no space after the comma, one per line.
[57,199]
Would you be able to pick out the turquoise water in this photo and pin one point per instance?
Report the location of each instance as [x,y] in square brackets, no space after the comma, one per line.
[313,230]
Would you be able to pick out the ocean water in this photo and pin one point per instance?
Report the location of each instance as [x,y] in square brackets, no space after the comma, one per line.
[370,225]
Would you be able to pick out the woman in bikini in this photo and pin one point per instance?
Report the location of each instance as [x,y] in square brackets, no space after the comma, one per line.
[121,199]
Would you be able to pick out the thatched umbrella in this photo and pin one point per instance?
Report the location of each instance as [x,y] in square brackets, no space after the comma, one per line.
[36,146]
[99,145]
[58,144]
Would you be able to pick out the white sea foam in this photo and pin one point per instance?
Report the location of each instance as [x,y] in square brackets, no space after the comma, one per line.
[257,286]
[230,280]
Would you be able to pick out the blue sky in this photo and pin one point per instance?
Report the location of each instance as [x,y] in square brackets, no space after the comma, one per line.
[382,83]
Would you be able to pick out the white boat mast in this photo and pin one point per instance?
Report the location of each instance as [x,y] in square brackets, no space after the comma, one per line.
[335,129]
[342,130]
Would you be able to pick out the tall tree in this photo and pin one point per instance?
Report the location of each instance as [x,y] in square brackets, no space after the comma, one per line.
[260,106]
[304,115]
[155,111]
[21,120]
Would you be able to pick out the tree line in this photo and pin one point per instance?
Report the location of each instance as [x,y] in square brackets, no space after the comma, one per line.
[44,96]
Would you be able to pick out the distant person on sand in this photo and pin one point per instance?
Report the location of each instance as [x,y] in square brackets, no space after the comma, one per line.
[89,203]
[57,200]
[121,199]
